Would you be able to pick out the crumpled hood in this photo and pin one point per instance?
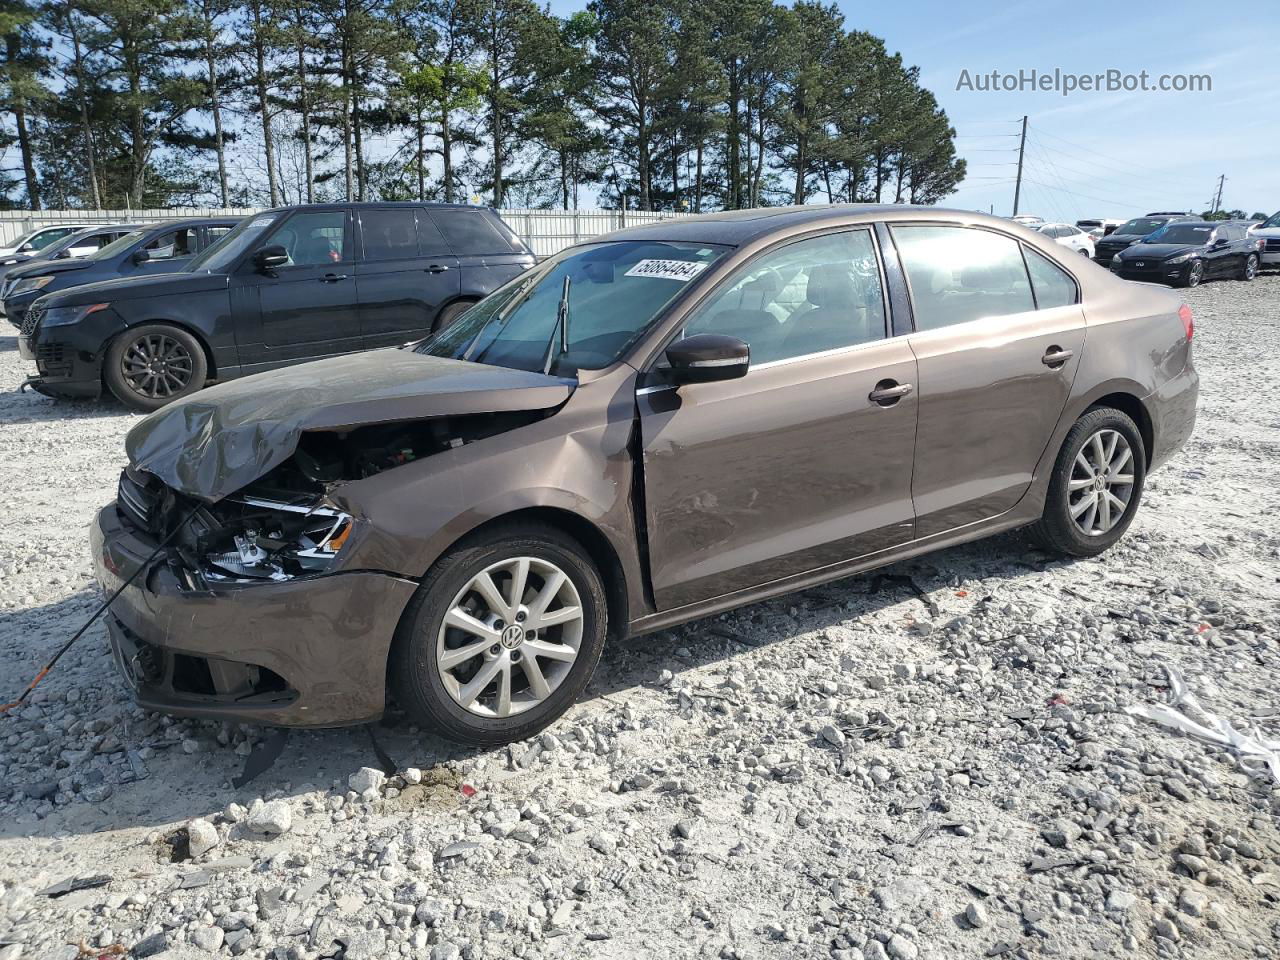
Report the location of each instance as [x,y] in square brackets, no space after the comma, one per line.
[217,441]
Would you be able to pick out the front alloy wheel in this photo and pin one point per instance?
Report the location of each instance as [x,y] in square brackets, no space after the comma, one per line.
[153,364]
[1250,267]
[1195,273]
[510,637]
[502,635]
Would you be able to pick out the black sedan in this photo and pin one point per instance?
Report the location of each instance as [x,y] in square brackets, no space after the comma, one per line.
[1131,232]
[1184,254]
[160,247]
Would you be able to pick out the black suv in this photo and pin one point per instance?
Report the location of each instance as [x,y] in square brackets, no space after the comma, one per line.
[151,248]
[1131,231]
[287,285]
[1184,253]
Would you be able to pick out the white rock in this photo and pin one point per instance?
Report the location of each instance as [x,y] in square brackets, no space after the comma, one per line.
[202,837]
[272,818]
[208,939]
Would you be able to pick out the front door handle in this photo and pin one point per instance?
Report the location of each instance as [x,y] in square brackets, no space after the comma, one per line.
[333,277]
[1055,356]
[889,392]
[437,268]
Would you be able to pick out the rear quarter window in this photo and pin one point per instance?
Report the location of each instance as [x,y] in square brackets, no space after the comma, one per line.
[1051,284]
[471,232]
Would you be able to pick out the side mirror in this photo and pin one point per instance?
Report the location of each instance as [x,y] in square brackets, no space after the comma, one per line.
[62,255]
[141,256]
[270,257]
[1220,242]
[705,357]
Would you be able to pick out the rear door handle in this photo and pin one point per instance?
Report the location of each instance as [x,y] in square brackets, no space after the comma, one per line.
[889,392]
[333,277]
[437,268]
[1056,357]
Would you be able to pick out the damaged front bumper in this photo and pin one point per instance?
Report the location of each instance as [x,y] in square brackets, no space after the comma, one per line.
[304,652]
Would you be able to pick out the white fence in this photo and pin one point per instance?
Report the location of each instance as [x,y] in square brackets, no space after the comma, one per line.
[546,231]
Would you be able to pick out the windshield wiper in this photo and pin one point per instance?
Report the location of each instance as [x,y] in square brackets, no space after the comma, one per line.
[562,325]
[501,318]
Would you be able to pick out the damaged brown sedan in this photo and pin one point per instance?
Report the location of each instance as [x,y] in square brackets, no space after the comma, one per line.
[649,428]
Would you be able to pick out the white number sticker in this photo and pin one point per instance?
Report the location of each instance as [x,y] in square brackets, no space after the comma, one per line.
[682,270]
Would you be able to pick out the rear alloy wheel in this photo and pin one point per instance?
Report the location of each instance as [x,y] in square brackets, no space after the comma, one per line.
[451,313]
[1195,273]
[502,636]
[1096,485]
[154,364]
[1250,267]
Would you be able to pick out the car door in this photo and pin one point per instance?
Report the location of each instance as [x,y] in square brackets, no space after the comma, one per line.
[794,466]
[996,362]
[1227,251]
[405,276]
[306,308]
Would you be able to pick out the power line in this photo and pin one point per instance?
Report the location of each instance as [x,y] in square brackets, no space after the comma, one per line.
[1124,164]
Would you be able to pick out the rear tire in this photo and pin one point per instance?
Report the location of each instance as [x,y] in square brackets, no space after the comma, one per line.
[536,655]
[1104,445]
[451,313]
[153,364]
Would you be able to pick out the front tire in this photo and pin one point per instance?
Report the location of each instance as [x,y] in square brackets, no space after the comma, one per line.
[1096,485]
[502,636]
[153,364]
[1195,274]
[1250,268]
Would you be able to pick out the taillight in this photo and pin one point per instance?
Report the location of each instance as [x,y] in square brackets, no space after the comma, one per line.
[1188,322]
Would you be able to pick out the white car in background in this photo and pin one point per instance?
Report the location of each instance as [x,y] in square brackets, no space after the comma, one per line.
[1098,228]
[1269,233]
[1028,220]
[33,241]
[1069,235]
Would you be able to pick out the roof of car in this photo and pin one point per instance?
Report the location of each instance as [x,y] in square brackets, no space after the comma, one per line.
[374,205]
[189,222]
[738,227]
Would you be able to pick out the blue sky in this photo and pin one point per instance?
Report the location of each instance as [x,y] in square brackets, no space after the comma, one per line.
[1101,153]
[1098,154]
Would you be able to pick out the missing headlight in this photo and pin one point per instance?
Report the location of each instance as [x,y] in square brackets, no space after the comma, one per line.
[260,539]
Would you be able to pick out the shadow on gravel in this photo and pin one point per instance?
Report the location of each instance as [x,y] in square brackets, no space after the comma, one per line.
[176,785]
[8,343]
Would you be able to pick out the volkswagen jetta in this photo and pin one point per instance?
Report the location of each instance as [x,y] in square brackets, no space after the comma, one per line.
[648,428]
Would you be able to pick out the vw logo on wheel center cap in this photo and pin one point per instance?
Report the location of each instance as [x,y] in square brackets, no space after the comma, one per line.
[512,636]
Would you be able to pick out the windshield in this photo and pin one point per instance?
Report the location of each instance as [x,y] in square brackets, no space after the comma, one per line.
[1197,233]
[1273,220]
[227,250]
[116,246]
[1141,226]
[616,290]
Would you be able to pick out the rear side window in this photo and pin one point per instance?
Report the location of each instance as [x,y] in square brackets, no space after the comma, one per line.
[216,233]
[1053,287]
[389,234]
[959,274]
[470,232]
[431,241]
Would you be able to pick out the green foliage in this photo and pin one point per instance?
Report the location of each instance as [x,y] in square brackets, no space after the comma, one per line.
[684,104]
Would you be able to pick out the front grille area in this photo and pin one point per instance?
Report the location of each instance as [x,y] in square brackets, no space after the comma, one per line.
[139,499]
[31,320]
[52,361]
[1273,245]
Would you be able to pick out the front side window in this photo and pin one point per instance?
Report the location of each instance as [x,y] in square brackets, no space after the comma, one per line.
[104,246]
[313,239]
[616,291]
[174,244]
[959,274]
[1053,286]
[390,234]
[806,297]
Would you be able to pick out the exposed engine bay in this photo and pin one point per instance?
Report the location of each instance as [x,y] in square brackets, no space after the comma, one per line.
[284,525]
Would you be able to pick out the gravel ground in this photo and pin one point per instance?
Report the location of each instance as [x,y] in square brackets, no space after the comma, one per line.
[935,763]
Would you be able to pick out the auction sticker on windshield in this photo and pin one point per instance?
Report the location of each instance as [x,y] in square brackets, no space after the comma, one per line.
[682,270]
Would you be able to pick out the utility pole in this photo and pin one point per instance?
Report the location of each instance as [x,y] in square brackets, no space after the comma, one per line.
[1217,201]
[1017,186]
